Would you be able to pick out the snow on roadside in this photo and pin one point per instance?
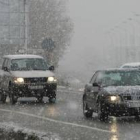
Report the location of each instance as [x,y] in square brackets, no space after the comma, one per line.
[62,88]
[8,127]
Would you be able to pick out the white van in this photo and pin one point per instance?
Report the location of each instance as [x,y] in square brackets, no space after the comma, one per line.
[131,65]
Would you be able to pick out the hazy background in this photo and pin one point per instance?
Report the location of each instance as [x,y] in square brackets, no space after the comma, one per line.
[92,19]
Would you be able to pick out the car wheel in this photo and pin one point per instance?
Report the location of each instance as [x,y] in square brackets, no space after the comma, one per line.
[137,117]
[102,115]
[52,96]
[86,111]
[52,100]
[13,98]
[3,98]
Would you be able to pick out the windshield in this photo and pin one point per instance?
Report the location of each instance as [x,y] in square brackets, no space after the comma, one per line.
[26,64]
[127,66]
[119,78]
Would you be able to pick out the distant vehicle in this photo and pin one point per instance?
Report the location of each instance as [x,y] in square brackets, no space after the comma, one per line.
[27,76]
[113,93]
[131,65]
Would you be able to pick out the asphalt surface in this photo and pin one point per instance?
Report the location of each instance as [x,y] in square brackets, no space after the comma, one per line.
[65,120]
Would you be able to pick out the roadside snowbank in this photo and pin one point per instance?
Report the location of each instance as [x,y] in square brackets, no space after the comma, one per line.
[12,131]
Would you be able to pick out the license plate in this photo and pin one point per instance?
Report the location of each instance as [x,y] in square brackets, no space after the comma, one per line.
[133,104]
[35,87]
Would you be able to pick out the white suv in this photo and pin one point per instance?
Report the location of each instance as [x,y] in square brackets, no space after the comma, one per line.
[27,76]
[131,65]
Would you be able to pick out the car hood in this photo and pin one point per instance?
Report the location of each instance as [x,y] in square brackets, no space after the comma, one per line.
[122,90]
[26,74]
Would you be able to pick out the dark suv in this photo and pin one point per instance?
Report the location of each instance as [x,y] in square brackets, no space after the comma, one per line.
[113,93]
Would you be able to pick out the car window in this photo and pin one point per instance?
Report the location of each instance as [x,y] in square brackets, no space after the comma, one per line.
[8,63]
[93,78]
[5,63]
[99,78]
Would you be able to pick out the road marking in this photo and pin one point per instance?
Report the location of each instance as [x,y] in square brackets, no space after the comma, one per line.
[57,121]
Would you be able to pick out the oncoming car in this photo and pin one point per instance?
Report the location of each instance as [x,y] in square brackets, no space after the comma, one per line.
[131,65]
[27,76]
[113,93]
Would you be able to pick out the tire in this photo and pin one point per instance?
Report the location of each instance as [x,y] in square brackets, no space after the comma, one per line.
[86,111]
[3,98]
[52,100]
[102,115]
[137,118]
[52,96]
[13,98]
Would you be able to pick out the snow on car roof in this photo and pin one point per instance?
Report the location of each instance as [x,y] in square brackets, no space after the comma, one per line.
[133,64]
[22,56]
[118,69]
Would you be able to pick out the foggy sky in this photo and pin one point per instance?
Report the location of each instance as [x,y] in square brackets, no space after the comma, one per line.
[92,19]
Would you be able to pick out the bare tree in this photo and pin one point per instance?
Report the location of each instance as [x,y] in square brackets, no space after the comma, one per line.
[48,19]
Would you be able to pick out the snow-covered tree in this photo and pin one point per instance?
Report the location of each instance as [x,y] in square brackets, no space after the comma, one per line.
[48,20]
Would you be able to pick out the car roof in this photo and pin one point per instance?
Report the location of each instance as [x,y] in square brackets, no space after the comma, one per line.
[19,56]
[133,64]
[118,69]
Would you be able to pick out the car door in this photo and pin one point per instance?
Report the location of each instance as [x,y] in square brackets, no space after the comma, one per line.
[94,90]
[3,71]
[90,91]
[6,75]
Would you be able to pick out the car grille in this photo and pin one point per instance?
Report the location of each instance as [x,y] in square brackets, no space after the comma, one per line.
[128,97]
[35,80]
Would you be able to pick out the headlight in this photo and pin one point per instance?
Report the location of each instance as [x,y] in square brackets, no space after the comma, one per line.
[114,99]
[52,79]
[19,80]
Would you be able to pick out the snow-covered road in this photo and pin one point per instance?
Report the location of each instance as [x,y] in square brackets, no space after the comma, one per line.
[64,120]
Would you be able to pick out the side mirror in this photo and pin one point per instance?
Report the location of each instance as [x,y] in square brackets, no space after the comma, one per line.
[95,85]
[6,69]
[51,68]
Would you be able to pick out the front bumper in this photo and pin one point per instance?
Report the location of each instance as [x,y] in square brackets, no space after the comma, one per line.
[121,109]
[34,90]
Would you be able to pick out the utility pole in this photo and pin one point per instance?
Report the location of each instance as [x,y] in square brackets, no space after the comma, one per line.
[25,26]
